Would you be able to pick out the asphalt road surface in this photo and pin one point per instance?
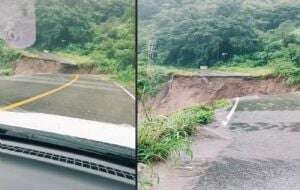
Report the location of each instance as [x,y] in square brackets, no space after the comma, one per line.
[263,151]
[85,97]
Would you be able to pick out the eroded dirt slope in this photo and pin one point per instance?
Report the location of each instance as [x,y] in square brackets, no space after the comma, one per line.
[184,91]
[48,64]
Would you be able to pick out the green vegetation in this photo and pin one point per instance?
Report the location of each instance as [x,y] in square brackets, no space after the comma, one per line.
[150,80]
[153,77]
[160,136]
[221,104]
[244,69]
[289,71]
[7,55]
[252,37]
[256,37]
[91,33]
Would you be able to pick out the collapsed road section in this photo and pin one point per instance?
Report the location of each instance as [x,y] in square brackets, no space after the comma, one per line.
[183,91]
[245,147]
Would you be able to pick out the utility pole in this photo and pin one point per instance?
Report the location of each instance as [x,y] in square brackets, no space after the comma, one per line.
[152,52]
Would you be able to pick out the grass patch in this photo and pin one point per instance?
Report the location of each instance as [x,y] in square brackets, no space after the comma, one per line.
[289,71]
[171,70]
[152,77]
[7,56]
[160,136]
[150,80]
[126,76]
[244,69]
[218,104]
[76,59]
[284,67]
[6,72]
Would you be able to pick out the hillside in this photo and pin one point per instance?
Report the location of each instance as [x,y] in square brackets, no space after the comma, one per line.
[192,33]
[91,33]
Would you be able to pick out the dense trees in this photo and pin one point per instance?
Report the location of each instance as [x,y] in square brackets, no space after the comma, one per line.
[64,22]
[101,30]
[201,32]
[98,34]
[60,23]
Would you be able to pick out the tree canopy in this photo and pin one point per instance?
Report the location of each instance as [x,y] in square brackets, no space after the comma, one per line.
[102,30]
[201,32]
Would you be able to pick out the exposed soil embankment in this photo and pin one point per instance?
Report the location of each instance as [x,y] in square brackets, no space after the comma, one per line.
[27,65]
[184,91]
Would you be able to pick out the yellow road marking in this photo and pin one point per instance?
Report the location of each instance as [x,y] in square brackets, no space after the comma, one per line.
[34,98]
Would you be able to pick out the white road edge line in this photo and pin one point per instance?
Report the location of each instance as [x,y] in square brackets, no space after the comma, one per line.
[126,91]
[229,116]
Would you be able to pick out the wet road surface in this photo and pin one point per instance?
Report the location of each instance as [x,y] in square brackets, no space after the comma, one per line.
[89,98]
[263,150]
[258,149]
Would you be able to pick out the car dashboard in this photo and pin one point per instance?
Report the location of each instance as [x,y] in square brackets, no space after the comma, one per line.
[26,166]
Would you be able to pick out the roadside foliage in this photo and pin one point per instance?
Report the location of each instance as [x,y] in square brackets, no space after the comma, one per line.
[93,34]
[233,34]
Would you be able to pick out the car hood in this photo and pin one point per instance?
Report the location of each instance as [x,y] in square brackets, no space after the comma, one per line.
[115,134]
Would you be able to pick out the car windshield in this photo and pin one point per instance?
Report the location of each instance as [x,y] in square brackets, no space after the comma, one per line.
[66,75]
